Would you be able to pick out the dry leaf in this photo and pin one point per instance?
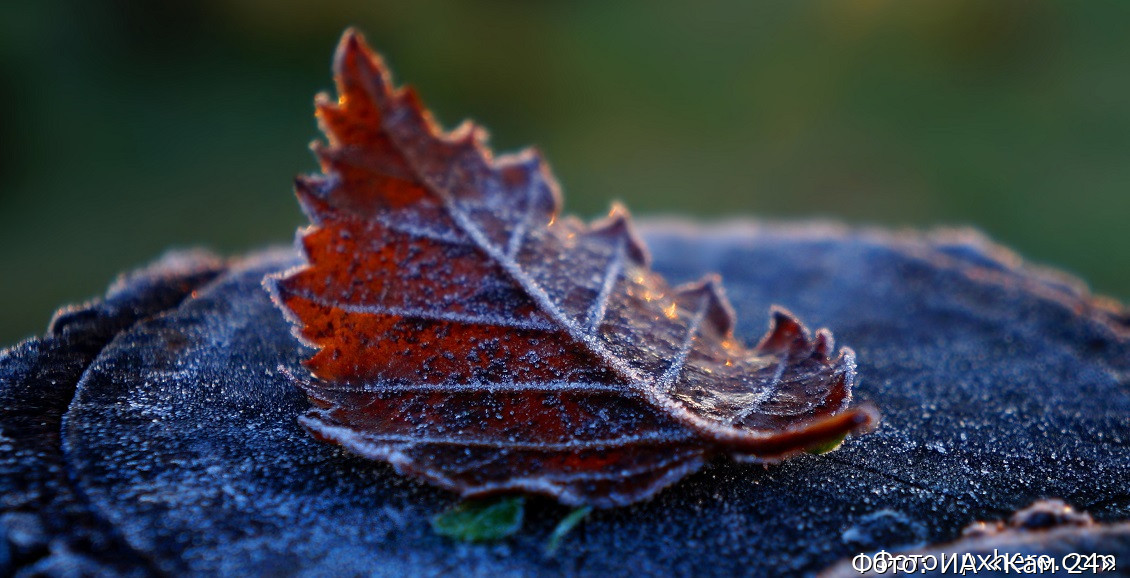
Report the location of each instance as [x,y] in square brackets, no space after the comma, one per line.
[471,336]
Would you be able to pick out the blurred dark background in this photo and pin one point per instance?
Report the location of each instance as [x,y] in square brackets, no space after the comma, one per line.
[127,128]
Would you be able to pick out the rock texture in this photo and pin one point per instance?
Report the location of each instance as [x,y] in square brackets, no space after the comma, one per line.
[152,432]
[1048,537]
[46,527]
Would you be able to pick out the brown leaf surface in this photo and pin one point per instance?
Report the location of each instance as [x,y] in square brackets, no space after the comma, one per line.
[471,336]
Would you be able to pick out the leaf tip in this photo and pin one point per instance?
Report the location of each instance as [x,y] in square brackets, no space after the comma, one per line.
[352,44]
[786,334]
[865,417]
[718,314]
[356,65]
[311,196]
[617,228]
[857,420]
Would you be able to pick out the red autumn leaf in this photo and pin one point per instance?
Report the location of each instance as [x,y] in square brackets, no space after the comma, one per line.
[471,336]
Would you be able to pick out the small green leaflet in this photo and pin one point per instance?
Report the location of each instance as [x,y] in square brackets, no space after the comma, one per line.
[481,520]
[826,447]
[564,527]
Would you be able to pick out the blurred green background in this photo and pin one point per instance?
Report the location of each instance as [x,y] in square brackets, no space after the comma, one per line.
[130,127]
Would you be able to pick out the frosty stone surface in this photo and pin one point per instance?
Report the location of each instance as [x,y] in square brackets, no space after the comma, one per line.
[1000,385]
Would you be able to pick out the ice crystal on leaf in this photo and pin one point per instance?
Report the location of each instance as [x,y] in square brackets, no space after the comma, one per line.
[473,337]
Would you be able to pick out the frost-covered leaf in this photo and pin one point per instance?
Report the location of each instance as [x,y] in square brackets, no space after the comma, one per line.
[472,336]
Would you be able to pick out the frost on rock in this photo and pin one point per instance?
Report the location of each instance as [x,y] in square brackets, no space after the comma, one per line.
[980,356]
[470,335]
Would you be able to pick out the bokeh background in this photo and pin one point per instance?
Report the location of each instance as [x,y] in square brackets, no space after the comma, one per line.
[129,127]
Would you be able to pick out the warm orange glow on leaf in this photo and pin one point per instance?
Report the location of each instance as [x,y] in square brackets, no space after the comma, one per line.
[469,335]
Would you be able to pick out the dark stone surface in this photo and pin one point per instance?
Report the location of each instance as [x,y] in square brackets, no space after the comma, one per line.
[44,523]
[999,385]
[1046,538]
